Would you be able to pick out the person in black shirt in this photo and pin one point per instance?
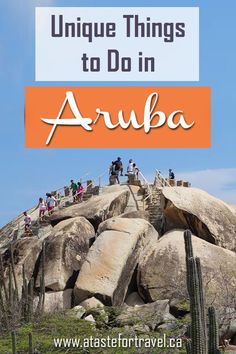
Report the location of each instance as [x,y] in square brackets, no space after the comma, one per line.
[171,174]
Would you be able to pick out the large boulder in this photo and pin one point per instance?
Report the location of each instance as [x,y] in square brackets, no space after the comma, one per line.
[111,261]
[207,217]
[26,252]
[152,315]
[55,301]
[96,209]
[163,274]
[137,214]
[65,251]
[134,299]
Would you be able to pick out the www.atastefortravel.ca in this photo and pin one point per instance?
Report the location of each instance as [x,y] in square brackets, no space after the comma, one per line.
[173,120]
[119,342]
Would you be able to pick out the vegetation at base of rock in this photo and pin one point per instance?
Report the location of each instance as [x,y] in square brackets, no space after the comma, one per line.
[62,326]
[16,310]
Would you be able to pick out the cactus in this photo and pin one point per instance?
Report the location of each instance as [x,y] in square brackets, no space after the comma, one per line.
[30,299]
[188,252]
[15,310]
[10,289]
[40,306]
[2,282]
[31,349]
[195,309]
[188,348]
[14,273]
[198,333]
[202,307]
[213,331]
[13,340]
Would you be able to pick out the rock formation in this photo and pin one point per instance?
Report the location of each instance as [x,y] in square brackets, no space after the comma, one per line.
[162,275]
[206,216]
[108,268]
[96,209]
[65,252]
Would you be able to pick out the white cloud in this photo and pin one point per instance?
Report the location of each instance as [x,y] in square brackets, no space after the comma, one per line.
[218,182]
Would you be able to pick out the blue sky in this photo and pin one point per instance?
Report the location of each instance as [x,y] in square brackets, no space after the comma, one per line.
[27,174]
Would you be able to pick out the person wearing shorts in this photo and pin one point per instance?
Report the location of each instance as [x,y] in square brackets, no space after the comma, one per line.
[51,203]
[42,208]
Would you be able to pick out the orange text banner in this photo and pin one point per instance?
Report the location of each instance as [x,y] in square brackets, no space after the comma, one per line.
[107,117]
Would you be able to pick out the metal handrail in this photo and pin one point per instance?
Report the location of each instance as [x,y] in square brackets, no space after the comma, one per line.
[161,178]
[150,193]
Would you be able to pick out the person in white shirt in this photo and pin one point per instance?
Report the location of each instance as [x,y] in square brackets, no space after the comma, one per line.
[136,171]
[42,208]
[130,168]
[51,203]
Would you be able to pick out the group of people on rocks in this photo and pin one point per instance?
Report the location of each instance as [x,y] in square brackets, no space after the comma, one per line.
[77,191]
[116,169]
[48,204]
[43,206]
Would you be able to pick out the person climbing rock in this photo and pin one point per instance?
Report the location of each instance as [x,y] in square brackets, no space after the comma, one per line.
[42,208]
[27,221]
[51,203]
[73,188]
[79,192]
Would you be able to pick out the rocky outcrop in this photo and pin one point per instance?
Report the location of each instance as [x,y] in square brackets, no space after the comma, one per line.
[110,263]
[138,214]
[56,301]
[65,251]
[206,216]
[152,315]
[96,209]
[134,299]
[14,230]
[25,252]
[163,274]
[91,303]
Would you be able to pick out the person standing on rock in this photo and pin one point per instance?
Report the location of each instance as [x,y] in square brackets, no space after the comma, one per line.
[171,174]
[51,203]
[79,192]
[130,168]
[118,169]
[135,171]
[42,208]
[73,187]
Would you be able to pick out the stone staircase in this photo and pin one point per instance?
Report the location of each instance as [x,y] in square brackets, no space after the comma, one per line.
[151,205]
[136,199]
[87,195]
[154,208]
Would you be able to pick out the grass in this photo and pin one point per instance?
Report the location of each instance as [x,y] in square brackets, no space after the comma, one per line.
[62,326]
